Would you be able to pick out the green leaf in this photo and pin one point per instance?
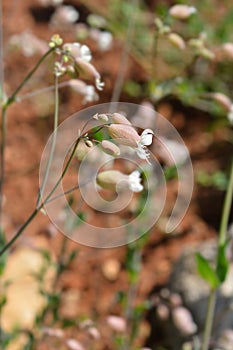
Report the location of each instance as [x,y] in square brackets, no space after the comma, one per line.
[206,271]
[222,263]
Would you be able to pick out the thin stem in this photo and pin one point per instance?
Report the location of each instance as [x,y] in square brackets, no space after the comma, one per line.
[221,241]
[51,154]
[2,155]
[41,91]
[36,211]
[226,209]
[209,320]
[8,102]
[22,228]
[12,98]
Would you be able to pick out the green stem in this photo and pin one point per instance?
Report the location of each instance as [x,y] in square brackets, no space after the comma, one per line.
[51,154]
[226,209]
[209,320]
[221,241]
[22,228]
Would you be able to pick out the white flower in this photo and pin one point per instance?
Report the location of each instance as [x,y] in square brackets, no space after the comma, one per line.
[145,140]
[134,180]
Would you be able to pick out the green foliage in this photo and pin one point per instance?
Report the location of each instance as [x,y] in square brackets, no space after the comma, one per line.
[218,179]
[206,271]
[222,263]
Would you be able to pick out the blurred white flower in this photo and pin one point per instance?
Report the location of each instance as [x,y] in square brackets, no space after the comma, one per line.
[73,344]
[118,324]
[172,152]
[102,38]
[28,43]
[87,91]
[182,11]
[227,49]
[50,2]
[64,15]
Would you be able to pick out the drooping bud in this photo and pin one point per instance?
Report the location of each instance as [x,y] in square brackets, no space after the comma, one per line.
[88,143]
[177,40]
[109,179]
[182,11]
[224,100]
[115,180]
[110,148]
[125,134]
[120,119]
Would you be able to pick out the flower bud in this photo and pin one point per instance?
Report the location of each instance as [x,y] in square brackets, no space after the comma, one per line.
[114,179]
[109,179]
[125,134]
[206,53]
[224,100]
[177,40]
[120,119]
[182,11]
[88,143]
[110,148]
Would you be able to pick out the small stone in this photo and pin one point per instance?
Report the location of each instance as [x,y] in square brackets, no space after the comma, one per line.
[111,269]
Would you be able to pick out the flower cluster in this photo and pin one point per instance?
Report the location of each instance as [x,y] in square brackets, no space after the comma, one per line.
[119,132]
[75,59]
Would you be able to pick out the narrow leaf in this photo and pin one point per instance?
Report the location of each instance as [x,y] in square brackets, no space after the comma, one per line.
[222,263]
[206,271]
